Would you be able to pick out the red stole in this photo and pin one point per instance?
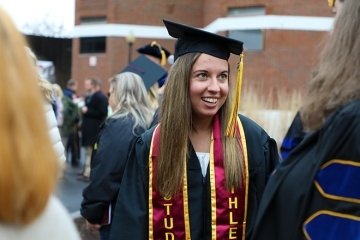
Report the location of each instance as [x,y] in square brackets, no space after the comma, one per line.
[169,218]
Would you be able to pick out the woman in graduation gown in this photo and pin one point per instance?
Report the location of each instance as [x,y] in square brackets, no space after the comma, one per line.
[131,115]
[315,193]
[201,172]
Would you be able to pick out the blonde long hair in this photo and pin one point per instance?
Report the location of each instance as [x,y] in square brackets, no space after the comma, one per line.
[338,78]
[29,168]
[129,92]
[175,128]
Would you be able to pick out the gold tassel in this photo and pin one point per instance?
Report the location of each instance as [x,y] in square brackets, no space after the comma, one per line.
[163,58]
[331,3]
[162,52]
[230,127]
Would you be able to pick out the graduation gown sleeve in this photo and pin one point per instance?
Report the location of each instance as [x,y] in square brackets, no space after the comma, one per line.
[107,167]
[131,212]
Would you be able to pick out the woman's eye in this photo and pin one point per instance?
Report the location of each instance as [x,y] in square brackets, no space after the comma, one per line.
[202,75]
[223,76]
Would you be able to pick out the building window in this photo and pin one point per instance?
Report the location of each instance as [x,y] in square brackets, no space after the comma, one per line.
[253,39]
[93,45]
[92,20]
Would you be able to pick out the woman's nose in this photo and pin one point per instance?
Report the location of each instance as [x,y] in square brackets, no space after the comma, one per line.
[214,84]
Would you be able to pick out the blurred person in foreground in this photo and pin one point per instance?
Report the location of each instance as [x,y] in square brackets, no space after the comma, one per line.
[295,134]
[29,167]
[315,193]
[131,116]
[50,109]
[200,173]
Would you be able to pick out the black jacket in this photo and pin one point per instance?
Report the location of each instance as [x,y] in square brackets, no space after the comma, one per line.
[107,167]
[97,105]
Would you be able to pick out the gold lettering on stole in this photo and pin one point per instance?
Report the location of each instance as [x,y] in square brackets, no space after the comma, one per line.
[233,233]
[167,224]
[232,221]
[168,221]
[233,204]
[168,205]
[169,236]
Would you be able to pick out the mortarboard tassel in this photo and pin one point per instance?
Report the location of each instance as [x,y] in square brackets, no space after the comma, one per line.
[163,58]
[162,52]
[230,127]
[331,3]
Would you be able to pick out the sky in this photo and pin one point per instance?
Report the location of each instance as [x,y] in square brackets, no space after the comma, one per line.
[42,17]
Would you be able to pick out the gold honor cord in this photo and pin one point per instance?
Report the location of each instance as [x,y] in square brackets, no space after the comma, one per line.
[186,204]
[151,210]
[246,165]
[230,127]
[212,189]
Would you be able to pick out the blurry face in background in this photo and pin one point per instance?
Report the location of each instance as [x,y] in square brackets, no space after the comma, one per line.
[74,87]
[88,86]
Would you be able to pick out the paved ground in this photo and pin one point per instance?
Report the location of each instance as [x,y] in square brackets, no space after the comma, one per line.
[70,189]
[69,192]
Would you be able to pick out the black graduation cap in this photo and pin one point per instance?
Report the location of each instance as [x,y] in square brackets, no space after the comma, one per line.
[149,71]
[191,39]
[154,49]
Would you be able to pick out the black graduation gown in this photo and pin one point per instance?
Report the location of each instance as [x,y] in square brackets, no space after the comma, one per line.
[97,105]
[131,213]
[107,167]
[292,196]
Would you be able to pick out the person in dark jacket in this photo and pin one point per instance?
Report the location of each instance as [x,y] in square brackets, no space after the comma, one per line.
[94,113]
[315,193]
[70,126]
[131,115]
[200,173]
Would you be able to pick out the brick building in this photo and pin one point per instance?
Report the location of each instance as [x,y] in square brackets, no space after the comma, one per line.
[275,57]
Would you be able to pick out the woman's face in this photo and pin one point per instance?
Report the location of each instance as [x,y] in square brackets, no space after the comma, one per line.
[209,85]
